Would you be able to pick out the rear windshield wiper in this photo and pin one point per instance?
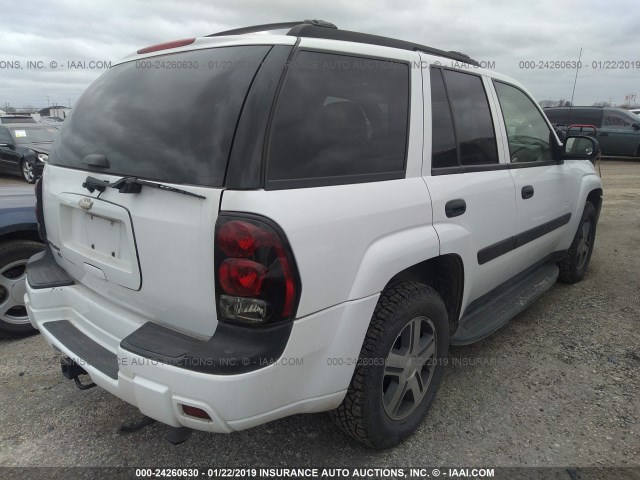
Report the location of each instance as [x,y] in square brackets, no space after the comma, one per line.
[131,185]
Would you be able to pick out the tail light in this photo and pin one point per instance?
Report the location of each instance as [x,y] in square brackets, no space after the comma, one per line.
[257,282]
[40,211]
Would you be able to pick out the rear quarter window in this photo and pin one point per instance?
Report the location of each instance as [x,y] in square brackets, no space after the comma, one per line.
[339,119]
[169,118]
[572,116]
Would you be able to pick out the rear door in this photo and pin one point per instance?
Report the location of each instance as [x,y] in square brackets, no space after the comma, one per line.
[170,120]
[471,190]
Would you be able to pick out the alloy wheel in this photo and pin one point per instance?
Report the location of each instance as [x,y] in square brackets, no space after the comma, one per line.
[12,290]
[409,368]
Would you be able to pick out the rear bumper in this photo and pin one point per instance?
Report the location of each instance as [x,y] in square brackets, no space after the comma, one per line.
[311,374]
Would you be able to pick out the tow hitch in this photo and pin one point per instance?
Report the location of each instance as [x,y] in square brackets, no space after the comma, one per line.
[72,371]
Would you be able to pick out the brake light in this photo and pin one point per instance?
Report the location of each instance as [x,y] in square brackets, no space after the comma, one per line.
[167,45]
[242,277]
[256,277]
[239,239]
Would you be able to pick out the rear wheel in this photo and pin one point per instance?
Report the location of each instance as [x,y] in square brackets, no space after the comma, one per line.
[574,266]
[13,277]
[400,367]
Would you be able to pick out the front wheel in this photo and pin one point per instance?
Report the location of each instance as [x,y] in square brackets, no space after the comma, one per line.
[399,369]
[574,266]
[28,171]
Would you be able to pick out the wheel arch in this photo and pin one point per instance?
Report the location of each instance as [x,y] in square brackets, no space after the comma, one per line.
[595,197]
[20,232]
[445,274]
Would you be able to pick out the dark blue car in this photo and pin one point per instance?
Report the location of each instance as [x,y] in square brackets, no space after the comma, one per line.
[19,240]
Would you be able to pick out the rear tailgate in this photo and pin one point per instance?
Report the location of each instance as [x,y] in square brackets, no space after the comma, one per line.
[151,252]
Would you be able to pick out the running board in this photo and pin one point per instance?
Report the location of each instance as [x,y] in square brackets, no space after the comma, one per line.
[493,310]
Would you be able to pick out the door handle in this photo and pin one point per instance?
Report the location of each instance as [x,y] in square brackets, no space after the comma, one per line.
[527,191]
[455,208]
[603,134]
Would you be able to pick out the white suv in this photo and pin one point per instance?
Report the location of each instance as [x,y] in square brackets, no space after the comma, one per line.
[243,227]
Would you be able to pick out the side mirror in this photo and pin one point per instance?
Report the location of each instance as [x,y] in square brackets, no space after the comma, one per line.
[636,126]
[580,147]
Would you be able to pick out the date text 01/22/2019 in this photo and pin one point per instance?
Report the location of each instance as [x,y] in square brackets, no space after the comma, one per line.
[576,64]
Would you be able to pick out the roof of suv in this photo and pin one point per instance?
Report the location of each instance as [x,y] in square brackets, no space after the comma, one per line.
[14,119]
[314,29]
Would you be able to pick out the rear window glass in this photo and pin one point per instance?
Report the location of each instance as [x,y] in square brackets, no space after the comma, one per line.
[34,135]
[7,120]
[169,118]
[571,116]
[340,119]
[443,139]
[473,123]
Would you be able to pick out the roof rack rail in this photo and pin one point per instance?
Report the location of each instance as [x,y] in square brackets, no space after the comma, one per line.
[273,26]
[310,30]
[327,30]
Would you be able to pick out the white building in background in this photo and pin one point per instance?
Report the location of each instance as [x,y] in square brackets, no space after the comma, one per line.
[2,112]
[56,111]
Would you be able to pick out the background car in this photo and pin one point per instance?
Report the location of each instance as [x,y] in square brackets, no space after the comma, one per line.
[24,147]
[8,119]
[19,240]
[617,130]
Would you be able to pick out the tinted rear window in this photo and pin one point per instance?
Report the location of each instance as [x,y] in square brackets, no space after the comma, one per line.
[7,120]
[340,119]
[168,118]
[571,116]
[472,116]
[443,139]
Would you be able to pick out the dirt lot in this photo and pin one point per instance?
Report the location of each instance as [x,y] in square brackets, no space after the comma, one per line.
[559,385]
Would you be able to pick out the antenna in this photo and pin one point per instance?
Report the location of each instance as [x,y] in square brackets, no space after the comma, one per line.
[575,80]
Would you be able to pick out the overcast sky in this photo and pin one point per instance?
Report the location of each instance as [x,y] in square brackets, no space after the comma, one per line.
[500,31]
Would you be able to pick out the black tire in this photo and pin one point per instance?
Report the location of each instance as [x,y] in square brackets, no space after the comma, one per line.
[14,321]
[26,177]
[576,262]
[363,413]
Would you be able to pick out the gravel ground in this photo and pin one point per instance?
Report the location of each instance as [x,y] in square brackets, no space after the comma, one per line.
[558,386]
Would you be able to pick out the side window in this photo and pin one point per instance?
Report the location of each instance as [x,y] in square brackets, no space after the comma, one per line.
[340,119]
[5,136]
[443,140]
[613,119]
[586,116]
[472,116]
[529,135]
[557,117]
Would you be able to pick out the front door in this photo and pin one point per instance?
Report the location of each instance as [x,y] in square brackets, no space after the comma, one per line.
[545,188]
[618,136]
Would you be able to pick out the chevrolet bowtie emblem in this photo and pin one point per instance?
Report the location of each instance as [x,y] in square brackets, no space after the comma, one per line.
[85,204]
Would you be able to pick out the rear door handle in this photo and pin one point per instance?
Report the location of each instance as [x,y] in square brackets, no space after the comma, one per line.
[455,208]
[527,191]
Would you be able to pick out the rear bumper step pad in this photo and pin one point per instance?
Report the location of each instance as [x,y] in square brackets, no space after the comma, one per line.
[94,354]
[44,272]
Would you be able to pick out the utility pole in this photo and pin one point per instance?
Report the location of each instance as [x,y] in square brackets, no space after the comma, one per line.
[48,104]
